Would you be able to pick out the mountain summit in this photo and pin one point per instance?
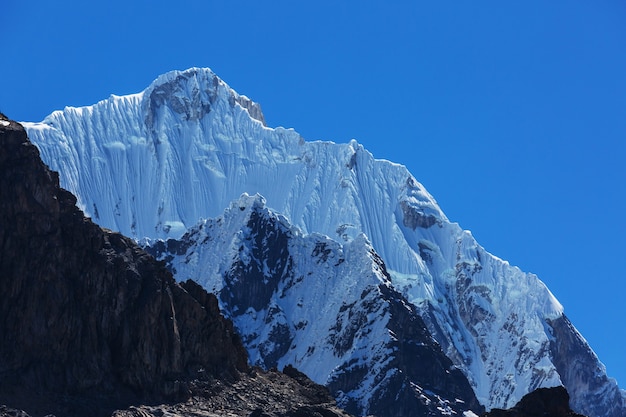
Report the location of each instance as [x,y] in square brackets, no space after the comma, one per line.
[156,164]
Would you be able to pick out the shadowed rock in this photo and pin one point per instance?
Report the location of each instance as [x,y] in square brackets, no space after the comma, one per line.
[543,402]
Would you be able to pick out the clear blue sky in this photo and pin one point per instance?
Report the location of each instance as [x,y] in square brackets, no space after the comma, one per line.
[512,114]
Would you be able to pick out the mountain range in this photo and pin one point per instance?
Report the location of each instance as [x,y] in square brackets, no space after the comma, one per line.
[322,256]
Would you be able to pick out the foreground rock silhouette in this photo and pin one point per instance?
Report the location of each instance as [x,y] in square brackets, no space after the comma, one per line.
[543,402]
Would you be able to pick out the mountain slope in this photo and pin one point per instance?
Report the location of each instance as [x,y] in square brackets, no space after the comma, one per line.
[152,164]
[90,322]
[325,307]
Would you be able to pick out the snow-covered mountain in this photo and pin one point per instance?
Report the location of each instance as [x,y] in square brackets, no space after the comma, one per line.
[153,164]
[327,308]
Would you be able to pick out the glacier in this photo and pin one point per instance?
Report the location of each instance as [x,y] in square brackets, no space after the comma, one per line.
[153,164]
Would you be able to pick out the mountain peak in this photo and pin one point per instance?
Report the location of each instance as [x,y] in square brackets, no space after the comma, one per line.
[256,201]
[191,94]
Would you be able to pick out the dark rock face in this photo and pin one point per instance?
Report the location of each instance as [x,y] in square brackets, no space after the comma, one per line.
[88,318]
[254,109]
[266,246]
[193,107]
[583,374]
[203,89]
[423,381]
[414,218]
[543,402]
[420,358]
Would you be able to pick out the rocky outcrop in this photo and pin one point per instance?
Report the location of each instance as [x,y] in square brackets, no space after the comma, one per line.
[255,394]
[192,94]
[414,218]
[254,109]
[543,402]
[583,374]
[91,323]
[419,379]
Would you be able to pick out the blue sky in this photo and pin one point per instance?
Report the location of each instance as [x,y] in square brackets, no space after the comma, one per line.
[512,114]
